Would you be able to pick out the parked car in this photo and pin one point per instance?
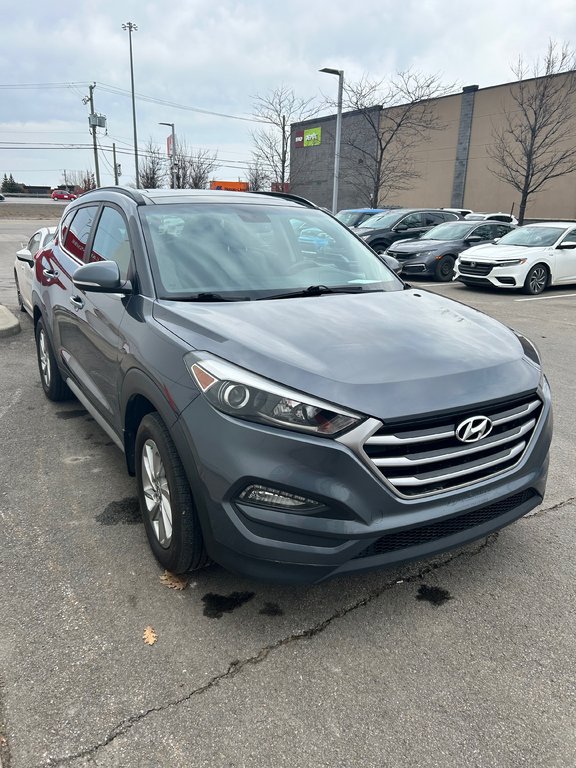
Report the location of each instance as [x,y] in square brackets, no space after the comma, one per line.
[354,216]
[531,258]
[382,229]
[24,265]
[2,198]
[507,218]
[62,194]
[290,416]
[433,254]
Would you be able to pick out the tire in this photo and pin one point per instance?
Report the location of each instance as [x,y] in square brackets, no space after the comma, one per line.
[18,294]
[166,500]
[380,247]
[536,280]
[53,384]
[444,270]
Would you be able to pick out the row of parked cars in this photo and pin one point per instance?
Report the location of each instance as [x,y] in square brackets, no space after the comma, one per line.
[474,248]
[290,410]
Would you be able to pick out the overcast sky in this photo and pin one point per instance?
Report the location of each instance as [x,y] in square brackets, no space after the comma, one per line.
[217,55]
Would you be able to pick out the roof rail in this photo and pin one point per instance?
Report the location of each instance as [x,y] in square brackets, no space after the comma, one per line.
[135,194]
[288,196]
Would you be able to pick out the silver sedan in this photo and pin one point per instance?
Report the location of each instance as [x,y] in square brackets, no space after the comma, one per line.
[24,265]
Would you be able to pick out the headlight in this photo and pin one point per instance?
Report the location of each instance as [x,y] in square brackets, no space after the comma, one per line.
[365,236]
[424,254]
[245,395]
[510,262]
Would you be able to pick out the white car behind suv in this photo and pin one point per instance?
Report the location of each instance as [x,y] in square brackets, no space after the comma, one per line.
[531,258]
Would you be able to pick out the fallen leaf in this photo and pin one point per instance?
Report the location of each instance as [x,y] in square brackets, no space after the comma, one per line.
[150,636]
[172,581]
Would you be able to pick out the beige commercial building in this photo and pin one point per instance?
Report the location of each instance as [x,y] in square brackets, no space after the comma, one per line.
[452,167]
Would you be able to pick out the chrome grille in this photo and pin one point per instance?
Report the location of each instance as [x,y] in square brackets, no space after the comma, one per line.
[426,457]
[478,268]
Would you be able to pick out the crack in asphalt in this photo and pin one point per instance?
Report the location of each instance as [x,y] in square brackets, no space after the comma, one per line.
[237,666]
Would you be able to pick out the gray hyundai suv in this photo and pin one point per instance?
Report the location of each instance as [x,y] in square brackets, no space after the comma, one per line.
[291,412]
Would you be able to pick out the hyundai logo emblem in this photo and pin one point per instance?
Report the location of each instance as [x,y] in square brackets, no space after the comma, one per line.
[473,429]
[472,263]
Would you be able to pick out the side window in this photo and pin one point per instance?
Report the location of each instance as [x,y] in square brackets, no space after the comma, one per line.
[34,243]
[430,219]
[65,226]
[412,220]
[486,232]
[111,241]
[570,236]
[79,231]
[500,230]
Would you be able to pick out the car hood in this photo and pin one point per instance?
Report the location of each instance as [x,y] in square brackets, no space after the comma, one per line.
[491,252]
[388,355]
[416,245]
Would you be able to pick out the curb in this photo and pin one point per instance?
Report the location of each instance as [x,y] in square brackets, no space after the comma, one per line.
[9,324]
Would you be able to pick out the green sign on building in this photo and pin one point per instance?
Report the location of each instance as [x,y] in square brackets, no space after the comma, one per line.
[312,137]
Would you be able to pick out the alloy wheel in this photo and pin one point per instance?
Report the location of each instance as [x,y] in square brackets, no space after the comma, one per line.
[157,493]
[44,356]
[537,280]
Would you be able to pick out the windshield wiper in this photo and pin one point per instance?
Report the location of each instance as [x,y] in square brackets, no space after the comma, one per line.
[317,290]
[211,297]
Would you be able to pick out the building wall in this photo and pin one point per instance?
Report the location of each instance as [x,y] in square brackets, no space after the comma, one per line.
[453,166]
[312,167]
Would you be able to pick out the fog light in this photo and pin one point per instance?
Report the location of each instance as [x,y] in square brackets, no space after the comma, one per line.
[263,496]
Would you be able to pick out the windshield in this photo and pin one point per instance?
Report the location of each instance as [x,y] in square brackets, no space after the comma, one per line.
[247,251]
[381,220]
[351,218]
[533,237]
[454,230]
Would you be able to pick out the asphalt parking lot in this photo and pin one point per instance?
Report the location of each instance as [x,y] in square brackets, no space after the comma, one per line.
[467,660]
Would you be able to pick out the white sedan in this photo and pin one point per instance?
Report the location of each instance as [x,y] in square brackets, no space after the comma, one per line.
[24,265]
[531,258]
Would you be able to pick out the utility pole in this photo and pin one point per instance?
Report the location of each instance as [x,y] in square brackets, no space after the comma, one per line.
[93,130]
[131,27]
[115,163]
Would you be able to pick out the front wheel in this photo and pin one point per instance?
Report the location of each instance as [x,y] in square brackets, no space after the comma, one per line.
[18,294]
[381,248]
[536,280]
[166,501]
[53,384]
[444,271]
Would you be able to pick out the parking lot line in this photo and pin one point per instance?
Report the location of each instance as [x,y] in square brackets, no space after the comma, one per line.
[545,298]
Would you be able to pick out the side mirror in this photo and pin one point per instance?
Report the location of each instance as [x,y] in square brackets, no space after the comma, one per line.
[25,256]
[391,262]
[400,228]
[566,245]
[473,239]
[101,277]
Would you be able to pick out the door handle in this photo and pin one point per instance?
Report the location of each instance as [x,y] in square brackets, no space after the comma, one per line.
[50,273]
[76,302]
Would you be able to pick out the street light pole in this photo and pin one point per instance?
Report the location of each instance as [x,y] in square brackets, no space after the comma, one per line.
[131,27]
[340,74]
[172,153]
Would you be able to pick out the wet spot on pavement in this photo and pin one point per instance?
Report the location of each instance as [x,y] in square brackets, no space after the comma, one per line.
[125,512]
[434,595]
[272,609]
[70,414]
[215,606]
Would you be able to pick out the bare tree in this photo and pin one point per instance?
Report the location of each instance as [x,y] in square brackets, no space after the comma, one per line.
[278,109]
[152,171]
[193,168]
[532,146]
[81,181]
[395,118]
[201,163]
[258,177]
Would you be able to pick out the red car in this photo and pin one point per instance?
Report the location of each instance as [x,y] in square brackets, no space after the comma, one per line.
[62,194]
